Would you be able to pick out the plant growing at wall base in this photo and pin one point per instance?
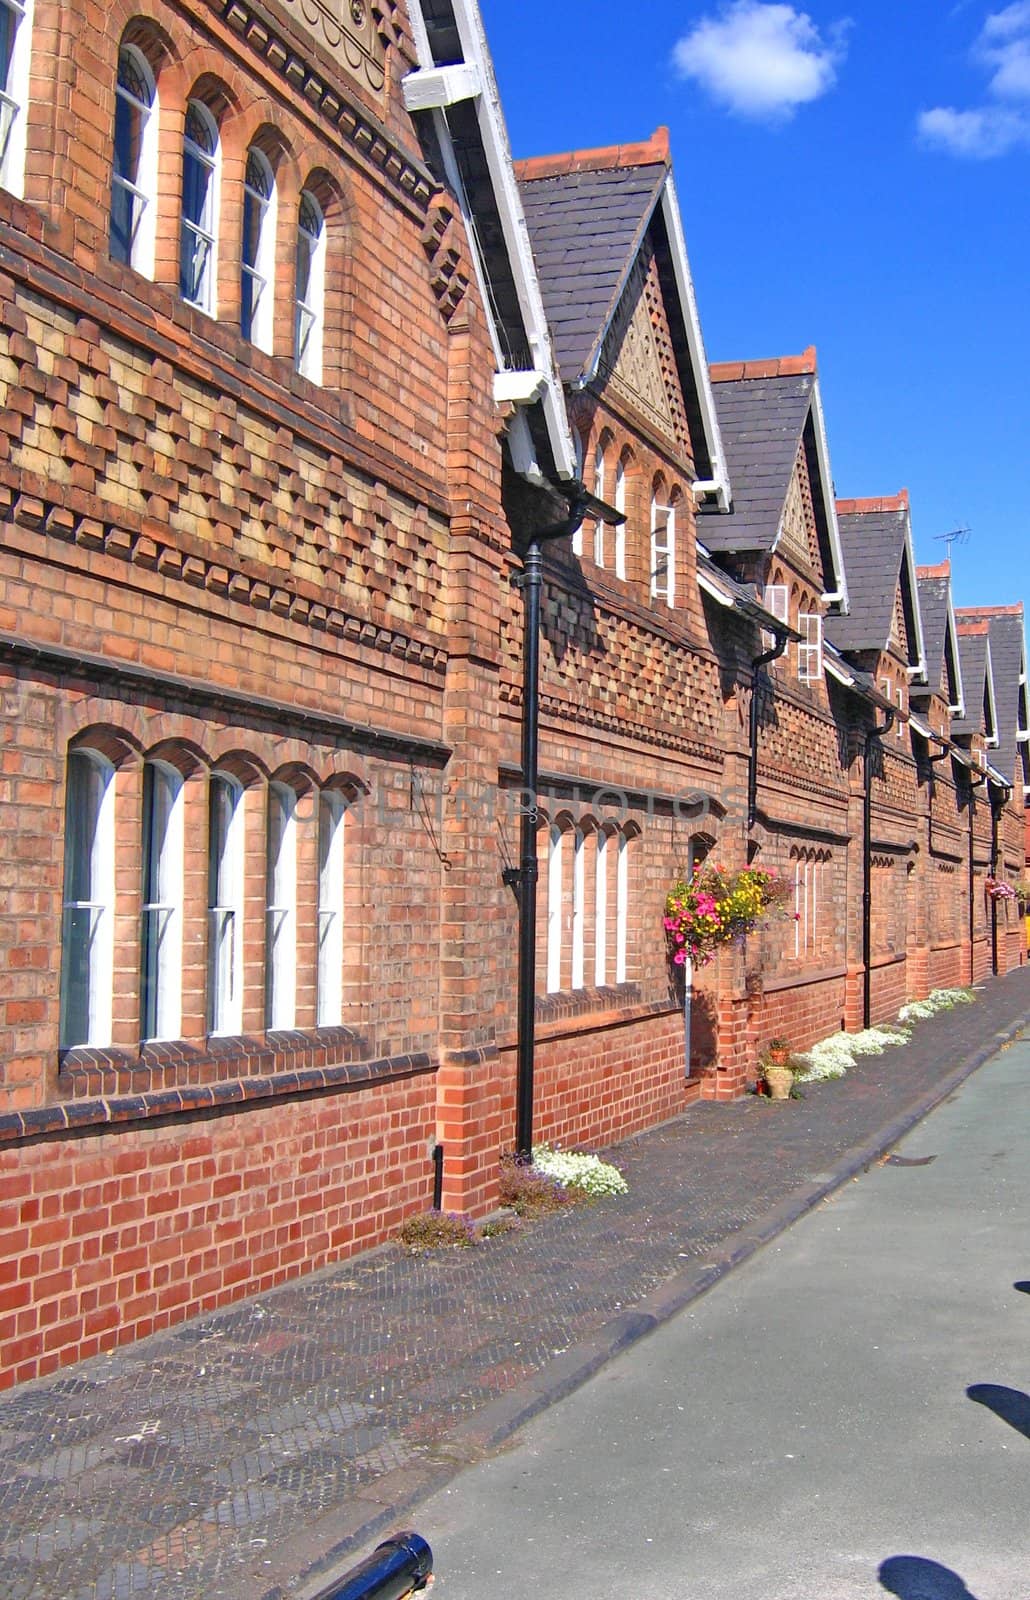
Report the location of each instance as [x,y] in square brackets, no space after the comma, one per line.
[714,907]
[579,1172]
[437,1230]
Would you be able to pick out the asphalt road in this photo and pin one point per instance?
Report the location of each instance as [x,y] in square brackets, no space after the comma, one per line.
[845,1417]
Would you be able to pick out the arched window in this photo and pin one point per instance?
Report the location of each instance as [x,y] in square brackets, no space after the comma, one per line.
[134,169]
[599,488]
[601,910]
[577,452]
[161,933]
[663,548]
[619,502]
[87,943]
[310,288]
[198,235]
[622,909]
[15,51]
[257,264]
[579,908]
[331,815]
[225,871]
[281,888]
[554,908]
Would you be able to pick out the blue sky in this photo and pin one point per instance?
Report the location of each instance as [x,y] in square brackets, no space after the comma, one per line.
[853,177]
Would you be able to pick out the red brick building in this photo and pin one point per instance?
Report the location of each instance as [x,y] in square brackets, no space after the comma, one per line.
[275,422]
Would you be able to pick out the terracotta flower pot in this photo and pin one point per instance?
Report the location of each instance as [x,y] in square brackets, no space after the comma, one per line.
[779,1081]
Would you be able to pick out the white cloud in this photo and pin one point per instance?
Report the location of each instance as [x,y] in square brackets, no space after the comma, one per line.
[978,135]
[1003,123]
[760,60]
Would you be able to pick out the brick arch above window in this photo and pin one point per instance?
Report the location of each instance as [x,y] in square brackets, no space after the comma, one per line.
[115,744]
[186,757]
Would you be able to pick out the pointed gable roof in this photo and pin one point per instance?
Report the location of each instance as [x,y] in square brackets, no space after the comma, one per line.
[942,670]
[589,214]
[974,646]
[1007,641]
[768,412]
[877,538]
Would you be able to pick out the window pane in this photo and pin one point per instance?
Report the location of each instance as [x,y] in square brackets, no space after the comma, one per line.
[330,910]
[225,909]
[162,892]
[280,955]
[85,971]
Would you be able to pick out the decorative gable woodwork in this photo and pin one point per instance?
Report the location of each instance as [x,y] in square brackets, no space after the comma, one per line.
[799,536]
[638,362]
[899,628]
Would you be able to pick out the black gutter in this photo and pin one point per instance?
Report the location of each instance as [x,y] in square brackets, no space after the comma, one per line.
[867,866]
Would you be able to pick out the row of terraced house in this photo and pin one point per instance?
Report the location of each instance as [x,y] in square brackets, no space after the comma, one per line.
[295,364]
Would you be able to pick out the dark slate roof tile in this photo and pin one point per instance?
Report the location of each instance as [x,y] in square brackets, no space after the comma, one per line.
[874,546]
[762,421]
[585,228]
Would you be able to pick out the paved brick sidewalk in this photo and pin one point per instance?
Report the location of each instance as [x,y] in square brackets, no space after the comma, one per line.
[235,1457]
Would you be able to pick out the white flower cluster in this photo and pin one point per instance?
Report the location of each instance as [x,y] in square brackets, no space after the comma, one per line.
[936,1000]
[832,1057]
[588,1173]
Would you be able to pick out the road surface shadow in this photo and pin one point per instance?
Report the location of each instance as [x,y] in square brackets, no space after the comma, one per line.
[915,1578]
[1011,1405]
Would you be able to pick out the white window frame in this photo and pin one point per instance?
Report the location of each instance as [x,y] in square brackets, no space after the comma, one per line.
[309,308]
[577,451]
[579,895]
[332,813]
[14,97]
[800,906]
[776,600]
[810,646]
[88,930]
[226,869]
[901,706]
[599,527]
[555,853]
[258,273]
[663,548]
[601,910]
[621,909]
[141,188]
[161,911]
[619,502]
[281,909]
[202,230]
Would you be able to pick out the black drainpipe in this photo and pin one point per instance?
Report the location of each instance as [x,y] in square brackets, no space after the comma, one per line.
[998,799]
[974,784]
[782,640]
[867,867]
[524,878]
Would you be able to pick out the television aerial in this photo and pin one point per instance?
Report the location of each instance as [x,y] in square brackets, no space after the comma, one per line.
[959,535]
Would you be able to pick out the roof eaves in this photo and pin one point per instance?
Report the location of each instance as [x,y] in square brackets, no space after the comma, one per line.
[497,155]
[719,482]
[840,594]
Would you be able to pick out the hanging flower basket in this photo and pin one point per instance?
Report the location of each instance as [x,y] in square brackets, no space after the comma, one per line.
[715,907]
[997,890]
